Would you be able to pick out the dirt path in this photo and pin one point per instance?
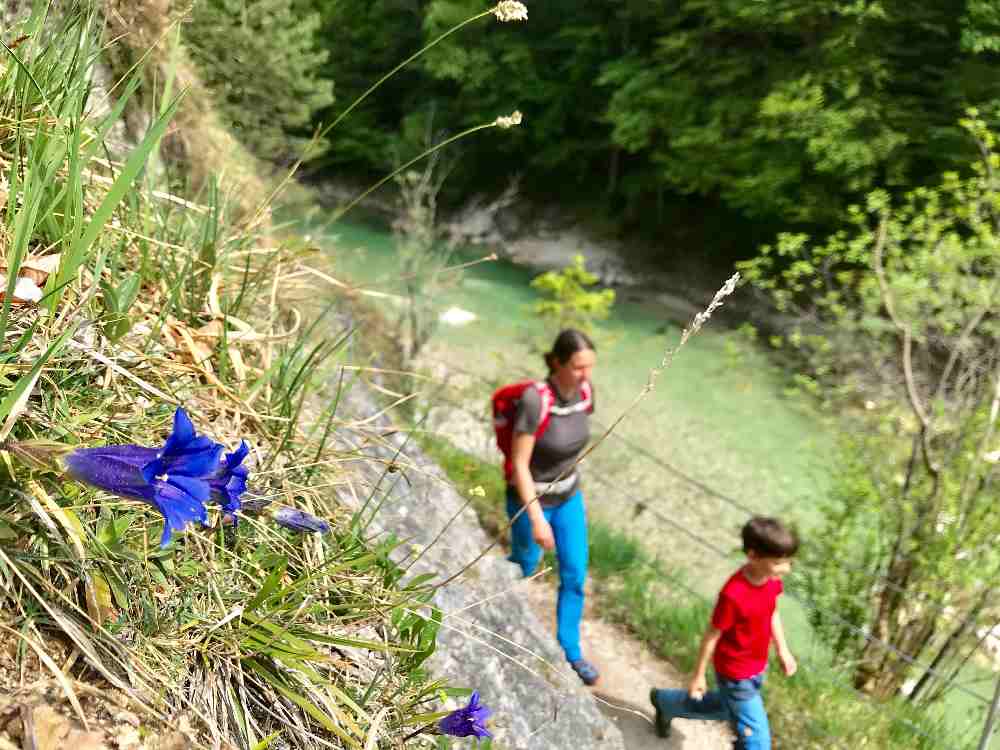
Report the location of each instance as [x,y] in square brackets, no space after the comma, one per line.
[628,670]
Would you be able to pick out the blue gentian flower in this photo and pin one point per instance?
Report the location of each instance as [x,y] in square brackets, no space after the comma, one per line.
[229,481]
[298,520]
[175,479]
[468,721]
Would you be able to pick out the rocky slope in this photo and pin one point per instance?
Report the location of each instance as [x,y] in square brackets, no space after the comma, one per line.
[489,640]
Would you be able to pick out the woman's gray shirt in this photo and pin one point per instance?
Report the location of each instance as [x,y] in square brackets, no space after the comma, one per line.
[562,442]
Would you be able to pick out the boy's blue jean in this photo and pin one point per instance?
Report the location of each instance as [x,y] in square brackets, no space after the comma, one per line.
[569,527]
[737,701]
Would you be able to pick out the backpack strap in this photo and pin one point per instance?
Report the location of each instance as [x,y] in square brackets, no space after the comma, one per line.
[585,404]
[548,399]
[587,396]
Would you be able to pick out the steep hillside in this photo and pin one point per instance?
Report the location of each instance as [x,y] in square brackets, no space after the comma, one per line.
[142,288]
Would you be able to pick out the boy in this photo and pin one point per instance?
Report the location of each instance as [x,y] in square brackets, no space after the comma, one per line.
[738,639]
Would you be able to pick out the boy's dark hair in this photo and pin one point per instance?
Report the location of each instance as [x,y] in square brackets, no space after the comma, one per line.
[768,537]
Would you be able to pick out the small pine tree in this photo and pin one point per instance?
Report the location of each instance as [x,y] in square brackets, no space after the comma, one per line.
[262,59]
[571,303]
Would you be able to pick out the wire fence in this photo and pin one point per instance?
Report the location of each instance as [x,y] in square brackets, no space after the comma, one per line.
[883,579]
[873,577]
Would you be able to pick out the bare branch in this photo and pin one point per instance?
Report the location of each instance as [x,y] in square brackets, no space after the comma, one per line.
[956,350]
[965,501]
[890,306]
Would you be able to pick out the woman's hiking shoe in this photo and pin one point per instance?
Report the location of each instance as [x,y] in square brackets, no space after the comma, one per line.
[587,671]
[662,722]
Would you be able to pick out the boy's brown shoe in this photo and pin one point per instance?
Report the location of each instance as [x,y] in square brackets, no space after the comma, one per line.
[662,722]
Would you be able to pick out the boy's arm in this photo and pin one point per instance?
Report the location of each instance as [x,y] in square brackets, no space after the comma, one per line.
[698,685]
[788,662]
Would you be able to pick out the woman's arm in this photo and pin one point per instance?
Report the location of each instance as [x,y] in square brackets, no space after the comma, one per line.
[521,449]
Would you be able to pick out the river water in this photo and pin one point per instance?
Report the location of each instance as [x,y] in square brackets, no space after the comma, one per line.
[715,439]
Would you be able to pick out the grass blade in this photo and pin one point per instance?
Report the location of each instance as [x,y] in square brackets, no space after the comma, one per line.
[72,260]
[15,401]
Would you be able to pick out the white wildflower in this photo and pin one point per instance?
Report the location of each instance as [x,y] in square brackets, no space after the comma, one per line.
[508,122]
[992,457]
[510,10]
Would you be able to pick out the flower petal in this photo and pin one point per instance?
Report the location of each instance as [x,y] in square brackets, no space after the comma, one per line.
[182,434]
[467,721]
[113,468]
[235,458]
[230,481]
[185,453]
[181,500]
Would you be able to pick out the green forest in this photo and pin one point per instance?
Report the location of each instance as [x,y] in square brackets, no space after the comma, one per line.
[656,115]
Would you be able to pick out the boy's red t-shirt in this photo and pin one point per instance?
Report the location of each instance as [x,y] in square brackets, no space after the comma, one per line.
[743,614]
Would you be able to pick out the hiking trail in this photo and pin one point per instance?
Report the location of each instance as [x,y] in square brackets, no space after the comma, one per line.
[628,670]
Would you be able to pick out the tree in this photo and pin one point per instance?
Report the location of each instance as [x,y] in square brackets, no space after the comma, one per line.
[365,39]
[570,303]
[769,111]
[262,59]
[899,330]
[792,108]
[546,68]
[422,258]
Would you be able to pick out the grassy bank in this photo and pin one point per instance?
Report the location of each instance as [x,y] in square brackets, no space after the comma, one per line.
[122,301]
[814,709]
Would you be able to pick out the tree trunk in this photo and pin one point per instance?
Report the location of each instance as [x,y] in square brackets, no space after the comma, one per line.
[614,168]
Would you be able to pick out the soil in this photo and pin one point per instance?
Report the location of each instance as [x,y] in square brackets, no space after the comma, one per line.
[628,670]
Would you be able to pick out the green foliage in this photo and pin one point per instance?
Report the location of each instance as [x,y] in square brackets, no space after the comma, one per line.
[545,66]
[263,59]
[897,328]
[117,302]
[365,39]
[784,109]
[787,108]
[572,304]
[981,26]
[612,552]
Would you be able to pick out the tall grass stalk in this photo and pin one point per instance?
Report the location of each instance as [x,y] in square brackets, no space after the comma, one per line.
[419,53]
[321,133]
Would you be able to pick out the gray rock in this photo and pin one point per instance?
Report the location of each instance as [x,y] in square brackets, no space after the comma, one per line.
[489,640]
[554,250]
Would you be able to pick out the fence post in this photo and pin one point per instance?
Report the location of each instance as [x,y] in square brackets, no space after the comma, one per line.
[991,717]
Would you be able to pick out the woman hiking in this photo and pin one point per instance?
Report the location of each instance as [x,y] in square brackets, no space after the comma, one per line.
[551,427]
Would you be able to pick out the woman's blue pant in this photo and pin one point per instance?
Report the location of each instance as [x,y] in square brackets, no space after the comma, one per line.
[569,527]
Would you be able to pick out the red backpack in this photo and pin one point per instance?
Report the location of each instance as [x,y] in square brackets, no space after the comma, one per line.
[505,400]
